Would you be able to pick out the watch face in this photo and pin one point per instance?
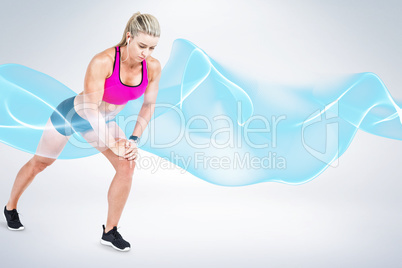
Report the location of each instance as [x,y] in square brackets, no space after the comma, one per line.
[132,140]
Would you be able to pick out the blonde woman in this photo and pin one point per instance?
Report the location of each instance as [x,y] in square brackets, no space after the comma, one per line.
[113,77]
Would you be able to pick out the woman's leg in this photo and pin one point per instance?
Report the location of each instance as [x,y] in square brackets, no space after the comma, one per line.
[121,184]
[50,146]
[119,188]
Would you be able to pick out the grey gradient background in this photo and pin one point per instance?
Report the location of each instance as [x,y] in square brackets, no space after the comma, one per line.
[347,217]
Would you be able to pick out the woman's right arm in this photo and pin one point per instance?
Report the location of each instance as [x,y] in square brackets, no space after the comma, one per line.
[94,83]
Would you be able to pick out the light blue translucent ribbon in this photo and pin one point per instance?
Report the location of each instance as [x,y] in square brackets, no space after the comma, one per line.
[215,126]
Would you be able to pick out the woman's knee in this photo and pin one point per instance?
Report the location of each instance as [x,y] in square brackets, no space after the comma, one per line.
[39,163]
[126,168]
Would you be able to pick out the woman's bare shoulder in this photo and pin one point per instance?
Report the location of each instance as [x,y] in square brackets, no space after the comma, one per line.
[105,59]
[106,55]
[153,66]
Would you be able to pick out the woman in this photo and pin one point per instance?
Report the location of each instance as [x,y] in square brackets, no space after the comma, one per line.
[114,77]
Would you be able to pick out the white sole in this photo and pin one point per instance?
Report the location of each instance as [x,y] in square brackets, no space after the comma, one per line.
[19,229]
[107,243]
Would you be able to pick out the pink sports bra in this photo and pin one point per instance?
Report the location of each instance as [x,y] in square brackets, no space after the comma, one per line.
[118,93]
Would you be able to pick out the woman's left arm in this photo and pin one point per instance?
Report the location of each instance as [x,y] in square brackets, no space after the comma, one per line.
[148,107]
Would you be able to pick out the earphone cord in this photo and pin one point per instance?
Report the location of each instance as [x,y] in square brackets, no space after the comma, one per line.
[127,52]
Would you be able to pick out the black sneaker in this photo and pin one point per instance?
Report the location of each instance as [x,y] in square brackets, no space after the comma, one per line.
[114,239]
[12,219]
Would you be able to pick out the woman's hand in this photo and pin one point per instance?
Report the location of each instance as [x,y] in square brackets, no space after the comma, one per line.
[126,149]
[119,148]
[131,150]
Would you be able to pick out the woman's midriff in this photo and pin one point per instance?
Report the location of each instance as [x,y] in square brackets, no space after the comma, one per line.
[107,110]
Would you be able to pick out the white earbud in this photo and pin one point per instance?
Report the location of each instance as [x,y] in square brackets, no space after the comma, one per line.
[128,41]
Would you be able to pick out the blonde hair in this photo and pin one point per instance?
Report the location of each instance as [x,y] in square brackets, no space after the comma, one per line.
[145,23]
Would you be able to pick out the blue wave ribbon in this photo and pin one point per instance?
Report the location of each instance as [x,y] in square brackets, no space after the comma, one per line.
[220,129]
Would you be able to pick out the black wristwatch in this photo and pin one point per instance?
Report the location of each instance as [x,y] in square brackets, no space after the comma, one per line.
[136,139]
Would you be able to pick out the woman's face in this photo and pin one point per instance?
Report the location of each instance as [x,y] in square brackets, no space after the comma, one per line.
[142,46]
